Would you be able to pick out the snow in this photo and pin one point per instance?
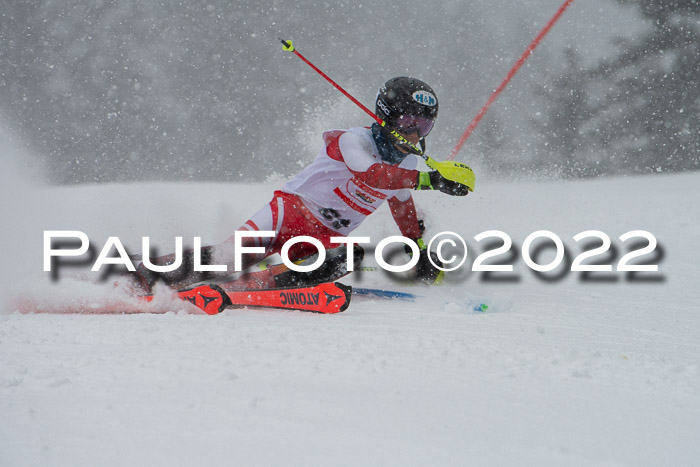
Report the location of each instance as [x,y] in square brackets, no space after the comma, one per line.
[561,372]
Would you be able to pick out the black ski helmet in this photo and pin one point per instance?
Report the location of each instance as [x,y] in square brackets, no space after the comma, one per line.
[405,96]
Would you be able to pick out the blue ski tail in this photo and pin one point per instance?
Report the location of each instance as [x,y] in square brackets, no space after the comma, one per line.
[384,294]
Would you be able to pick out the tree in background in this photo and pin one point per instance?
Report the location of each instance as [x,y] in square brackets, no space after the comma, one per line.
[141,90]
[564,127]
[638,112]
[133,90]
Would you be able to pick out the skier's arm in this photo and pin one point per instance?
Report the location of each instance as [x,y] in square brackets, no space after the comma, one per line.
[388,177]
[404,213]
[357,155]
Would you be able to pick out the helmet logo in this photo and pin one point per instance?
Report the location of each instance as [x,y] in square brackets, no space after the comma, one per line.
[425,98]
[383,106]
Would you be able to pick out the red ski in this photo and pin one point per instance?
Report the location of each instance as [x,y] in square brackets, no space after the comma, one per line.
[328,297]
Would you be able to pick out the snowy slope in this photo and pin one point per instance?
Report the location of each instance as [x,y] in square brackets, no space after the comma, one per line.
[560,372]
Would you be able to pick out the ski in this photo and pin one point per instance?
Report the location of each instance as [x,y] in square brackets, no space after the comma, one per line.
[327,297]
[384,294]
[475,305]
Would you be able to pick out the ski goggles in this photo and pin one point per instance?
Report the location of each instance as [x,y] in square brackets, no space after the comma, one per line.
[410,123]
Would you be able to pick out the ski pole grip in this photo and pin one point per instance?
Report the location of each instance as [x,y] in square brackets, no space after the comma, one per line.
[287,46]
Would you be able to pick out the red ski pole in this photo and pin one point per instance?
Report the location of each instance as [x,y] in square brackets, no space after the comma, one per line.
[289,47]
[508,77]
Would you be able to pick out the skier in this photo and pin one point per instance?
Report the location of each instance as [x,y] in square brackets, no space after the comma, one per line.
[355,172]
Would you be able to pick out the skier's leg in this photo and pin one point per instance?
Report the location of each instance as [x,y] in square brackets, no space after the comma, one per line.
[221,254]
[332,269]
[287,217]
[291,219]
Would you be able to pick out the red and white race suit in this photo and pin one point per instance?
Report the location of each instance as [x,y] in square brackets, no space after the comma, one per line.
[333,195]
